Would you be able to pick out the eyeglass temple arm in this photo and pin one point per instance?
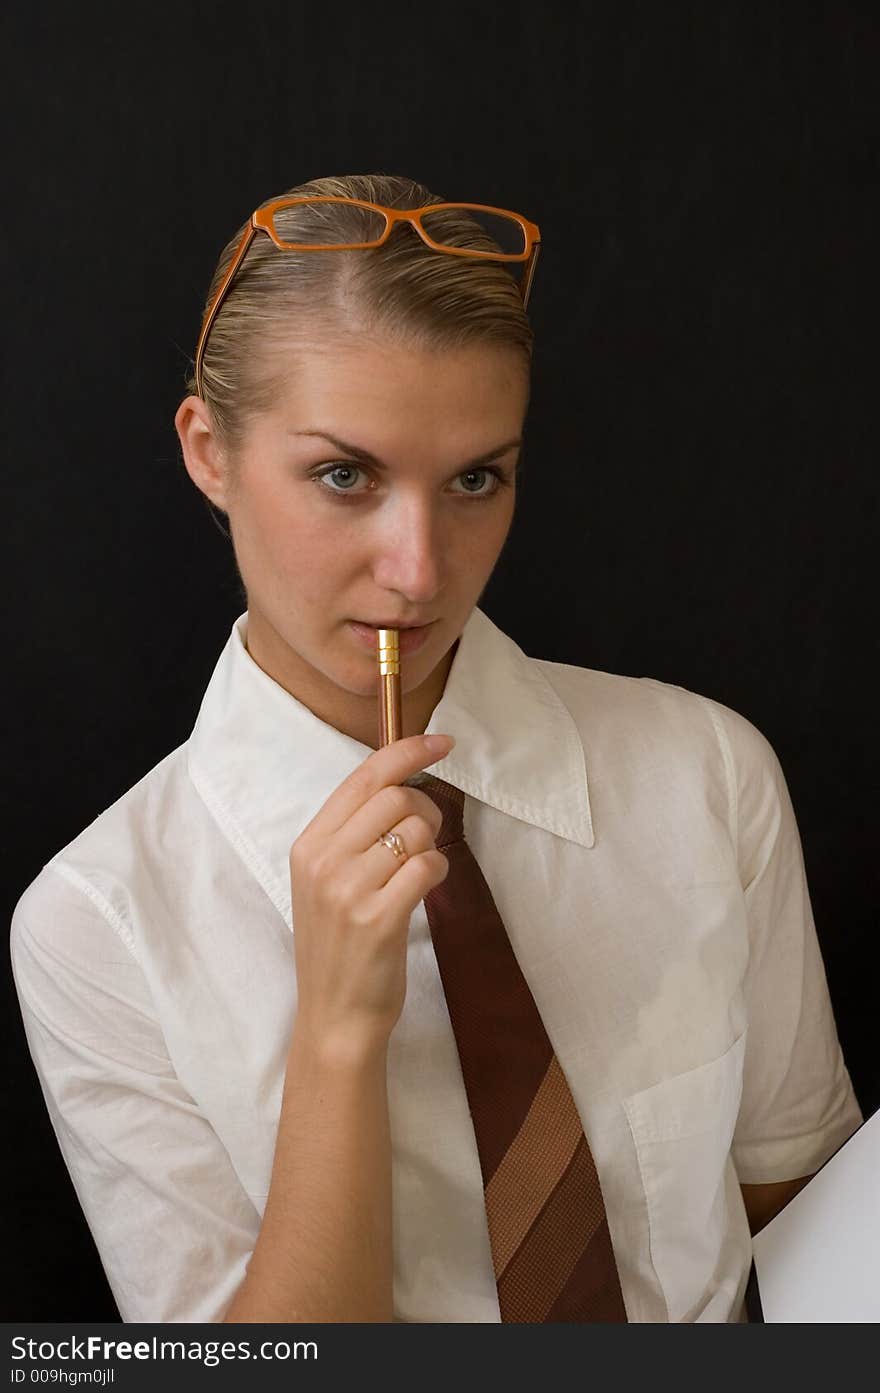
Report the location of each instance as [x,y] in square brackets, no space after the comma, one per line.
[529,273]
[234,264]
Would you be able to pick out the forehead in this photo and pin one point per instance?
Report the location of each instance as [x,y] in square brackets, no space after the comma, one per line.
[391,390]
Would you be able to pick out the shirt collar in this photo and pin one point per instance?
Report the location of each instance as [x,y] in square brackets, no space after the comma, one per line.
[264,763]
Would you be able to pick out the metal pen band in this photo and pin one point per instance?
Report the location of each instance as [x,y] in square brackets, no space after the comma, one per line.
[388,655]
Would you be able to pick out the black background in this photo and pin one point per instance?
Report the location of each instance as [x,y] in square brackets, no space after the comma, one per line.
[699,502]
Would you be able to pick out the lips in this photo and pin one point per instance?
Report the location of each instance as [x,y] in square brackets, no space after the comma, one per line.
[410,639]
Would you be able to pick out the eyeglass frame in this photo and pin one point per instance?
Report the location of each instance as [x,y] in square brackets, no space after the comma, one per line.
[261,221]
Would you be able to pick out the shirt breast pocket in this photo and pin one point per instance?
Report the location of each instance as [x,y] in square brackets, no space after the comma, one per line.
[682,1129]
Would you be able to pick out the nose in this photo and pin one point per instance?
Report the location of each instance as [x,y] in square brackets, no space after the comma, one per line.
[409,551]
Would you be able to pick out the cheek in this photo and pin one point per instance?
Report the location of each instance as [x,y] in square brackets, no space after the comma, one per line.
[478,548]
[282,528]
[310,554]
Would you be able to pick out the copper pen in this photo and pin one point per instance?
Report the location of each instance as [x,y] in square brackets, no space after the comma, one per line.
[390,711]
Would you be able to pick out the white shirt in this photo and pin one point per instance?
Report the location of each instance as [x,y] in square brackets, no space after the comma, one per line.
[641,847]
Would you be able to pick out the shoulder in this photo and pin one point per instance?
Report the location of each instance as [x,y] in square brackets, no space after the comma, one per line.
[645,733]
[91,878]
[649,711]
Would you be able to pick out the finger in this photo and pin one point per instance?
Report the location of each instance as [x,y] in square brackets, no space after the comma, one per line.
[375,867]
[382,813]
[389,765]
[408,881]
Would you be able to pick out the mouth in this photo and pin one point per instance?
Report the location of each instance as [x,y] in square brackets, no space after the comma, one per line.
[412,636]
[390,624]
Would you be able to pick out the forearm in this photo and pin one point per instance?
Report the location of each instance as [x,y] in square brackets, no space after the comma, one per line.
[763,1202]
[324,1249]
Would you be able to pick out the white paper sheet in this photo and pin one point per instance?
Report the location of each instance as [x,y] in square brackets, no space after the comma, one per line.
[819,1259]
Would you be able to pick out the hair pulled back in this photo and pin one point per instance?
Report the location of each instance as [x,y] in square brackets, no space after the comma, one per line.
[280,301]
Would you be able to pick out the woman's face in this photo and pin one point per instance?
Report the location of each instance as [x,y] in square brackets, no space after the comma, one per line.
[325,536]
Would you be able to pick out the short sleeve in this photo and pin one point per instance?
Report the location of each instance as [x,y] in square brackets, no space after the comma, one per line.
[798,1104]
[172,1224]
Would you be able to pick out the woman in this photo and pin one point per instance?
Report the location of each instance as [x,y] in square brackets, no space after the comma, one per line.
[228,980]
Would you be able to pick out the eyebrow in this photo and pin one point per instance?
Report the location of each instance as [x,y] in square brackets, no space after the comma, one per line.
[366,457]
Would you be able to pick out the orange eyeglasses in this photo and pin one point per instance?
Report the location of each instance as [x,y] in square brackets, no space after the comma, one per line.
[507,228]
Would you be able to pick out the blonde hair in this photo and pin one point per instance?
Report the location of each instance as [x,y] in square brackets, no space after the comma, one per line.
[402,290]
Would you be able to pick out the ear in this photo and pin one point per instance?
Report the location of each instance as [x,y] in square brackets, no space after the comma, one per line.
[202,454]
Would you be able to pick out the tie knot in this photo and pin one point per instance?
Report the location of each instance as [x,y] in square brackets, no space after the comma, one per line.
[450,801]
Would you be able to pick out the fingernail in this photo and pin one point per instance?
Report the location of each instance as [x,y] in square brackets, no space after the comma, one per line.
[436,744]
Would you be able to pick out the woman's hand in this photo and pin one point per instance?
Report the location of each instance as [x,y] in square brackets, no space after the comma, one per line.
[352,897]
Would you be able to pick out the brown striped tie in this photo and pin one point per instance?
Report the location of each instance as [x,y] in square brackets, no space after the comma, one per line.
[551,1249]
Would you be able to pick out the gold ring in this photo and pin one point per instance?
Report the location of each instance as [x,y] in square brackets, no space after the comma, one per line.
[394,841]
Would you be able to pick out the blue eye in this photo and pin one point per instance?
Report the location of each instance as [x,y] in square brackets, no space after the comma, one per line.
[338,469]
[352,469]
